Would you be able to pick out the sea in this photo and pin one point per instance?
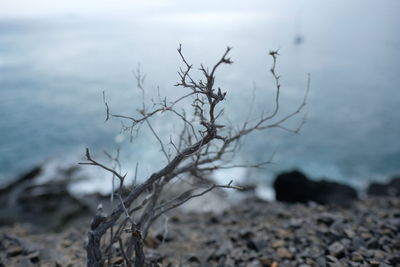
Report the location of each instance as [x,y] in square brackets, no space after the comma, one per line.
[58,68]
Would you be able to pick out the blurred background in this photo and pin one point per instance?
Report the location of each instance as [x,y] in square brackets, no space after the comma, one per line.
[57,57]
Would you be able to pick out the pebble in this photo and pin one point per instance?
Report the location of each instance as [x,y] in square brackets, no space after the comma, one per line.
[284,253]
[336,249]
[278,243]
[357,257]
[365,234]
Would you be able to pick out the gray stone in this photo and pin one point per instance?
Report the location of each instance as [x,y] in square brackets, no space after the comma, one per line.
[321,261]
[326,218]
[336,249]
[332,259]
[296,222]
[358,242]
[373,244]
[357,257]
[349,232]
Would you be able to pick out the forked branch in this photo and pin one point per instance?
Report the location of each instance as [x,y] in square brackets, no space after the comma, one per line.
[205,144]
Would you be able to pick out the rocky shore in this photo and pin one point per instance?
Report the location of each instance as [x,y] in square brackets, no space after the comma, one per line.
[250,232]
[257,233]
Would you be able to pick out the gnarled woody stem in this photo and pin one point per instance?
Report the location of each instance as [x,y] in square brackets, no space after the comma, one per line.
[197,160]
[95,257]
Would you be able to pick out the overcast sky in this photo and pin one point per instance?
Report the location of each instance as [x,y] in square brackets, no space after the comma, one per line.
[89,8]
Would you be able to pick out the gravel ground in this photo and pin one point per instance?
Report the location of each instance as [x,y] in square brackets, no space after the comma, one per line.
[249,233]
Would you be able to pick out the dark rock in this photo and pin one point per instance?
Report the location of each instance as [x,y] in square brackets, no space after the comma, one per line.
[257,245]
[165,237]
[334,193]
[52,200]
[34,257]
[295,187]
[392,188]
[373,244]
[13,251]
[326,218]
[246,234]
[292,187]
[214,220]
[384,240]
[251,245]
[395,260]
[210,242]
[336,249]
[174,219]
[332,236]
[30,175]
[222,251]
[193,258]
[48,205]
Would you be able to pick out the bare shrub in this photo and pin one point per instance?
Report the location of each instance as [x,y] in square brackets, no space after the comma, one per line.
[202,146]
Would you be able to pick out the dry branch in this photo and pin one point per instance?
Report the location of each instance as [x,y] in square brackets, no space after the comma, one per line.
[203,146]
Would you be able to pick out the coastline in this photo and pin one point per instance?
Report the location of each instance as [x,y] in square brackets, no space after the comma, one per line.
[251,233]
[48,225]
